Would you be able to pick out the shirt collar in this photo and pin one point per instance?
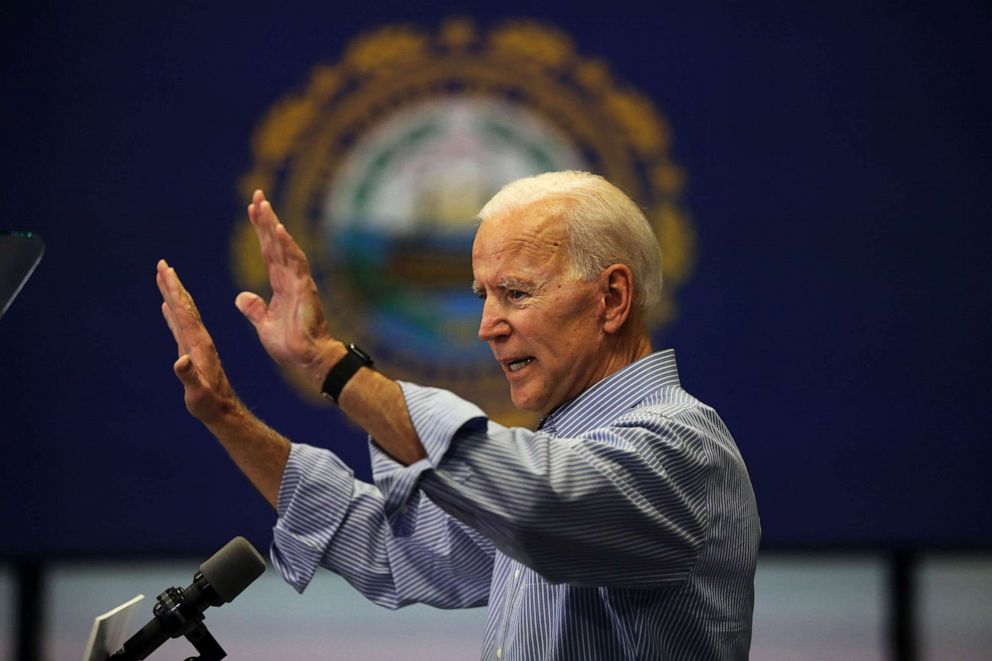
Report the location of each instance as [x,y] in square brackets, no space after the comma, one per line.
[606,400]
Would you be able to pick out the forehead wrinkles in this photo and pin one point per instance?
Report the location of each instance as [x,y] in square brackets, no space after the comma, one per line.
[535,230]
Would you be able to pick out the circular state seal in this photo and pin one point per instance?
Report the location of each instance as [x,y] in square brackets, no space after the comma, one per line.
[380,164]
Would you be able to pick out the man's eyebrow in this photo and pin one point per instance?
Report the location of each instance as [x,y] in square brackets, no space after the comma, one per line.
[523,285]
[506,284]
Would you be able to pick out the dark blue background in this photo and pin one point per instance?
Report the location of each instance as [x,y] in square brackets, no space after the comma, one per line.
[838,179]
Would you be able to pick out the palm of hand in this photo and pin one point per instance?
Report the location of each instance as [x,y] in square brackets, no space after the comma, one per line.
[291,327]
[293,324]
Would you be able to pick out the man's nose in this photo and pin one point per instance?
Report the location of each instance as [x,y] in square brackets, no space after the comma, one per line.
[493,324]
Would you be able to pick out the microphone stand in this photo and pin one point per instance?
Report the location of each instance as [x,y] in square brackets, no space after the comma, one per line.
[205,644]
[172,619]
[20,253]
[179,612]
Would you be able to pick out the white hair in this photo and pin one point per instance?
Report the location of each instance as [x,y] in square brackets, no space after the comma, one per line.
[602,225]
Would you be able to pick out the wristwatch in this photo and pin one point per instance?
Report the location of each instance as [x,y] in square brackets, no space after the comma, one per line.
[343,370]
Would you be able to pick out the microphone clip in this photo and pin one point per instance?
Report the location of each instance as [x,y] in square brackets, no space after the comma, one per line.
[180,621]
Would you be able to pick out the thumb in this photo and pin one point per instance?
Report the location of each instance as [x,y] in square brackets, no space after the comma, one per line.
[185,370]
[251,306]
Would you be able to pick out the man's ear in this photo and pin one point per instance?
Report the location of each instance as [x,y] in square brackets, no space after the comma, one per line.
[618,296]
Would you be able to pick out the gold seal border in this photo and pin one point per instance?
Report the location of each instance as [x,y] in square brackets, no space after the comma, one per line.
[299,144]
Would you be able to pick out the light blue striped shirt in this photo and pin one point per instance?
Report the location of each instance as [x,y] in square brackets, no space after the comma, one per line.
[624,528]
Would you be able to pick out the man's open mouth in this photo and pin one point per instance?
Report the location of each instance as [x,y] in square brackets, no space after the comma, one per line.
[519,364]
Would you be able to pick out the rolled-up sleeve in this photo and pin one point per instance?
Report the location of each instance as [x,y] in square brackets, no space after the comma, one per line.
[623,505]
[437,415]
[327,518]
[314,496]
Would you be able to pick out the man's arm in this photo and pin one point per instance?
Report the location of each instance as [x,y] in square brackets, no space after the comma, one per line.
[319,494]
[293,330]
[259,451]
[328,518]
[620,506]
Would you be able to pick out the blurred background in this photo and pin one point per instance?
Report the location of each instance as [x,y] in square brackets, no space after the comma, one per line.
[818,174]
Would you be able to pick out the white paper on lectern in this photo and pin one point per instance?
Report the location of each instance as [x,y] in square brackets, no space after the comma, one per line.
[110,630]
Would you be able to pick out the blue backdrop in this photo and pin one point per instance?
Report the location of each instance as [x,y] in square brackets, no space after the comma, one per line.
[838,177]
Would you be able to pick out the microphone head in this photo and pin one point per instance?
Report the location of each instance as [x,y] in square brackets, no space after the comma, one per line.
[233,568]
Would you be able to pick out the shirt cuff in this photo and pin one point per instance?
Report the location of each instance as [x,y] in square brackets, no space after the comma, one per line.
[314,496]
[437,416]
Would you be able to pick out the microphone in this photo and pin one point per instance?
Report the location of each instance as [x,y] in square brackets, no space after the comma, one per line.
[179,612]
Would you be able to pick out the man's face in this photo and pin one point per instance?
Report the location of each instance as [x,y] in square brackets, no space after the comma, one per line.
[543,326]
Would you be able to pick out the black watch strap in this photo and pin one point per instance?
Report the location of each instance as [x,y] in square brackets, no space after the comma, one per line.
[342,372]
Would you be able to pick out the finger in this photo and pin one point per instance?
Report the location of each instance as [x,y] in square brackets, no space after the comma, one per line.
[279,249]
[184,309]
[270,224]
[186,371]
[180,344]
[264,221]
[251,306]
[192,335]
[256,198]
[168,306]
[260,211]
[294,255]
[166,279]
[160,269]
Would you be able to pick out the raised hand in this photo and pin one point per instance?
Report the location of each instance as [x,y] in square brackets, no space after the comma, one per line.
[293,330]
[208,393]
[291,326]
[259,451]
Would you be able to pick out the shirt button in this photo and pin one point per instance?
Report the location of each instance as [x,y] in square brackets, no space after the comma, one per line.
[499,653]
[516,574]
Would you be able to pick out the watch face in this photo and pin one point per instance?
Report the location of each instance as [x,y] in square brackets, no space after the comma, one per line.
[357,350]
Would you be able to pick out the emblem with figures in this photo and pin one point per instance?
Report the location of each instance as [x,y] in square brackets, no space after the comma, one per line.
[380,164]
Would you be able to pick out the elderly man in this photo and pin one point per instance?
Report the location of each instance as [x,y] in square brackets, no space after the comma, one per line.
[625,527]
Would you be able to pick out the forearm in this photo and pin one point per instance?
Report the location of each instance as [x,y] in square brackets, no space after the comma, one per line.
[371,399]
[374,402]
[259,451]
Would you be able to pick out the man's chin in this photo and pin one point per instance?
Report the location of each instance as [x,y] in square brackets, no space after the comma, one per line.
[528,401]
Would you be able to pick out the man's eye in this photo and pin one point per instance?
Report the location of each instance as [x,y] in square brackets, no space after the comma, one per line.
[515,294]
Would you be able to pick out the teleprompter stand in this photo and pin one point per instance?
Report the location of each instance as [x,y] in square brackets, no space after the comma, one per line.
[20,253]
